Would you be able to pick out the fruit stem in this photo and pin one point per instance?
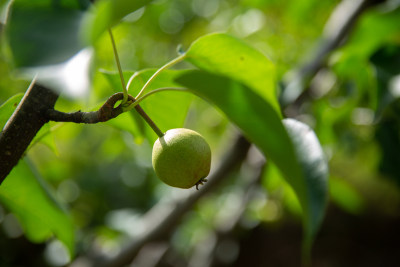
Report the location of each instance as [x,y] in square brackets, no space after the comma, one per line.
[143,114]
[149,121]
[121,76]
[125,98]
[167,65]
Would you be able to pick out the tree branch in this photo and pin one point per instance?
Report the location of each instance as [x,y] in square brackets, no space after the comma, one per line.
[337,28]
[106,112]
[22,127]
[37,108]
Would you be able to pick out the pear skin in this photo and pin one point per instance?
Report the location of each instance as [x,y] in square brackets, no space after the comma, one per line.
[181,158]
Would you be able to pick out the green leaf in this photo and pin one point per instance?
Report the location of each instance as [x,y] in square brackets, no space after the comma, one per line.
[46,137]
[8,107]
[106,14]
[228,56]
[346,196]
[261,124]
[39,214]
[113,78]
[384,23]
[314,171]
[130,123]
[43,32]
[386,61]
[167,109]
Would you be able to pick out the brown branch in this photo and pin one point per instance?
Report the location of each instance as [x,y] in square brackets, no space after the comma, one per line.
[106,112]
[22,127]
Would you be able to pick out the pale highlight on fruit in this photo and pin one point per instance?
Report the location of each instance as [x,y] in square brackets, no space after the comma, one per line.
[181,158]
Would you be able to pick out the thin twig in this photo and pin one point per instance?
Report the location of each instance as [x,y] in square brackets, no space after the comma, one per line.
[117,61]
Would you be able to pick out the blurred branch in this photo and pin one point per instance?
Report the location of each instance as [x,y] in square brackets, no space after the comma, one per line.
[205,253]
[22,127]
[337,29]
[151,254]
[164,217]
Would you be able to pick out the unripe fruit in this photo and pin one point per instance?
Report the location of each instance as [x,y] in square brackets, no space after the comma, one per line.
[181,158]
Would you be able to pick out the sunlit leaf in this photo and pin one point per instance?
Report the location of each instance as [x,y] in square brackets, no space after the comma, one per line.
[46,137]
[8,107]
[223,54]
[385,26]
[314,170]
[167,109]
[130,122]
[114,80]
[346,196]
[106,14]
[39,214]
[296,155]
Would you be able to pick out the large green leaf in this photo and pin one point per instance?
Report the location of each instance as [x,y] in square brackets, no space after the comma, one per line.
[314,170]
[44,32]
[105,14]
[46,137]
[7,109]
[39,214]
[251,103]
[261,124]
[226,55]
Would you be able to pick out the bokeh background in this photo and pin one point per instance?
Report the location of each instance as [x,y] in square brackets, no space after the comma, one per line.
[103,175]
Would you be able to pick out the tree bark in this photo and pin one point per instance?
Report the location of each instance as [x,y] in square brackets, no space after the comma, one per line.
[22,127]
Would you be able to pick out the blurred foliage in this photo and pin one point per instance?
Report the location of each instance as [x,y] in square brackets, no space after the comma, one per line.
[103,175]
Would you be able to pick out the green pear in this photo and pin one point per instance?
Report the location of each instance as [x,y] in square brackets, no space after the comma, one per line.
[181,158]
